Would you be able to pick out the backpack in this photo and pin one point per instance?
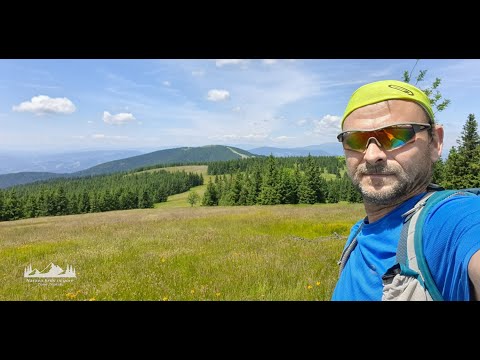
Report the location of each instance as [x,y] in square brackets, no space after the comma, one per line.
[410,278]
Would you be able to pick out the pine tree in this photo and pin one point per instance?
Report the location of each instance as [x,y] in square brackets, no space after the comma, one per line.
[306,193]
[236,188]
[2,206]
[250,190]
[438,171]
[84,203]
[61,202]
[333,194]
[145,201]
[288,188]
[13,209]
[31,207]
[210,196]
[296,181]
[269,194]
[313,187]
[462,168]
[469,140]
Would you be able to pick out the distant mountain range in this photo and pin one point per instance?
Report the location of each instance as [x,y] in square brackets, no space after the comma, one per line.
[168,156]
[59,163]
[327,149]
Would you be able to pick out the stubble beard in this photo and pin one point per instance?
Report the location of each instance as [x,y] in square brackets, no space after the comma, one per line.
[397,186]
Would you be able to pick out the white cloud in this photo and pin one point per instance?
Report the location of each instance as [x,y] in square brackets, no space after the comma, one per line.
[198,72]
[269,61]
[239,137]
[118,119]
[222,62]
[166,83]
[301,122]
[382,73]
[103,136]
[325,129]
[328,122]
[43,104]
[283,138]
[218,95]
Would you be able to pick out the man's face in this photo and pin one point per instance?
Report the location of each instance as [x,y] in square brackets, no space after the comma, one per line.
[385,176]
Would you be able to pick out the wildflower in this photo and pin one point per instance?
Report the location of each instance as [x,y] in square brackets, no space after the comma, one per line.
[309,287]
[192,291]
[163,259]
[165,298]
[318,283]
[217,294]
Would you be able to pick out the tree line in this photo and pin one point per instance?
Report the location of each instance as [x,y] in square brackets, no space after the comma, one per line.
[327,164]
[91,194]
[272,181]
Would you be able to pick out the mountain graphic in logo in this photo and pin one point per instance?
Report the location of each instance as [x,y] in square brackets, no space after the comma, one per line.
[51,271]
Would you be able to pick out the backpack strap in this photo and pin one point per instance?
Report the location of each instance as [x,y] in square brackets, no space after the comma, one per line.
[410,247]
[408,257]
[348,249]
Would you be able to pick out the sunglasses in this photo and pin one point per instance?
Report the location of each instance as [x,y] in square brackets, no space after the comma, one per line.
[389,137]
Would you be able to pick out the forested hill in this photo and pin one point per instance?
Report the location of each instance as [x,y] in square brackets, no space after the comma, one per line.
[170,156]
[181,155]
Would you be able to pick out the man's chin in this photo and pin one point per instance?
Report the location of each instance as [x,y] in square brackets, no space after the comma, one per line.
[380,194]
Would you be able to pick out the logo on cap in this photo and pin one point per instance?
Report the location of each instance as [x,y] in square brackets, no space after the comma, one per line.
[402,89]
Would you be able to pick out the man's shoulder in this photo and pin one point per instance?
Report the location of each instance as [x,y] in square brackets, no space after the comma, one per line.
[454,202]
[452,211]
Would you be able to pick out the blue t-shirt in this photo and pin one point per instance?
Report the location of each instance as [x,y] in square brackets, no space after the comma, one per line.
[451,235]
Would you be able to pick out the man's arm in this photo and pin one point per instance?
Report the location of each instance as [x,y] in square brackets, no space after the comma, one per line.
[474,274]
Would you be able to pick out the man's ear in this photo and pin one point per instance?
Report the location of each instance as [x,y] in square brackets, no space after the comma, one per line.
[436,144]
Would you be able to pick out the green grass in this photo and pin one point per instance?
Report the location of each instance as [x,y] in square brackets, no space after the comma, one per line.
[180,200]
[284,252]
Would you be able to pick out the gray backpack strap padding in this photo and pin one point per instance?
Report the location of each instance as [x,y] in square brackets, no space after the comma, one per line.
[348,250]
[406,246]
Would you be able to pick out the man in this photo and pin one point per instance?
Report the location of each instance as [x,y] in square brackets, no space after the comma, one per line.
[391,144]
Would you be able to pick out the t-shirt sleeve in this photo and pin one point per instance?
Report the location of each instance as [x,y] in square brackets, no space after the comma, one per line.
[451,235]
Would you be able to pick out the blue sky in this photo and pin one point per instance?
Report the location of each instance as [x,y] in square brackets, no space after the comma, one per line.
[72,105]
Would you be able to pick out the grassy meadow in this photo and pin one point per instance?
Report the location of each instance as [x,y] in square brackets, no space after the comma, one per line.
[179,252]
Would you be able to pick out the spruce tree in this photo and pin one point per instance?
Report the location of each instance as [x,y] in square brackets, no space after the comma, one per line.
[13,209]
[210,196]
[145,201]
[462,168]
[269,193]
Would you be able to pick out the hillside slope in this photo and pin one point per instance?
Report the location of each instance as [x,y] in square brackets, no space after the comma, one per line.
[169,156]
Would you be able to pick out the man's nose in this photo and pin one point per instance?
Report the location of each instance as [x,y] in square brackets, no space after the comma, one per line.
[374,152]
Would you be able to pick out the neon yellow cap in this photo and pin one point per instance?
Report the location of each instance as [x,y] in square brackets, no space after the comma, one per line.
[378,91]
